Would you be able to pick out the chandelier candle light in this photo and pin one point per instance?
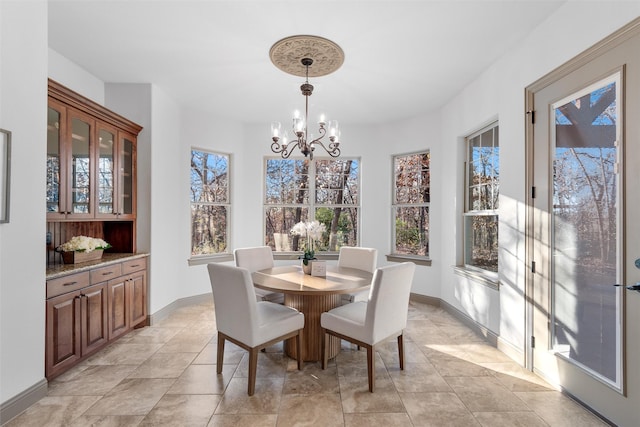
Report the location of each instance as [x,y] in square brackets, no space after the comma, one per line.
[289,54]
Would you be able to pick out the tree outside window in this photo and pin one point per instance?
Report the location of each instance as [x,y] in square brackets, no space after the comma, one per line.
[326,190]
[482,191]
[209,203]
[411,204]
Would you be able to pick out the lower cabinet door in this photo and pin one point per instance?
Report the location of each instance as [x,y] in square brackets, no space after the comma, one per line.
[63,344]
[119,310]
[95,328]
[138,295]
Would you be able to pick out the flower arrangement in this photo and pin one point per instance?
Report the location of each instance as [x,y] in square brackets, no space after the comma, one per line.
[83,244]
[312,231]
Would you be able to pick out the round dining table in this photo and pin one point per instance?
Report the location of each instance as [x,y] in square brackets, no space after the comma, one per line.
[312,295]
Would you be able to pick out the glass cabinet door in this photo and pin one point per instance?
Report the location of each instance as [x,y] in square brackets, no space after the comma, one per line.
[79,168]
[55,130]
[126,176]
[106,172]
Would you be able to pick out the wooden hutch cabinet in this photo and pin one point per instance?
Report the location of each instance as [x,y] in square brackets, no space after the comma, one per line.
[91,190]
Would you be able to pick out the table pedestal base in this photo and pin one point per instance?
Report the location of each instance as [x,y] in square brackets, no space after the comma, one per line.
[312,306]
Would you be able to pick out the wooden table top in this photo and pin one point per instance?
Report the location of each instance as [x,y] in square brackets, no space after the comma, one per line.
[291,280]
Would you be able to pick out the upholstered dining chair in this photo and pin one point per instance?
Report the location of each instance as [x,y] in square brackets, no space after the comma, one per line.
[369,323]
[362,259]
[249,324]
[254,259]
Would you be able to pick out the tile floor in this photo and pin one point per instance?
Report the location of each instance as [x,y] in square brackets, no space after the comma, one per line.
[165,375]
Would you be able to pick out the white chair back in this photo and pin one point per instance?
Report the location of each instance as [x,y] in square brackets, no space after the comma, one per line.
[360,258]
[389,300]
[234,299]
[254,258]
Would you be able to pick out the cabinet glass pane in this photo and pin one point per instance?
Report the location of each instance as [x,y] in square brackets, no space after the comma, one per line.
[106,141]
[126,177]
[80,173]
[53,160]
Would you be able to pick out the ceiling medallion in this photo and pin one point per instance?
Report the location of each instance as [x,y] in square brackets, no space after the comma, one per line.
[287,54]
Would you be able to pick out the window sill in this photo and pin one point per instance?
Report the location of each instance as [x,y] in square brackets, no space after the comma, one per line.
[291,256]
[478,277]
[418,260]
[206,259]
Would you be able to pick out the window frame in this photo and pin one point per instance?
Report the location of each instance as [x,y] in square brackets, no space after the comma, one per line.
[393,255]
[483,275]
[197,259]
[312,205]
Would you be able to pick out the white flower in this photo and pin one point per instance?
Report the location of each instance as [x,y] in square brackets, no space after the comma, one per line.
[313,232]
[83,244]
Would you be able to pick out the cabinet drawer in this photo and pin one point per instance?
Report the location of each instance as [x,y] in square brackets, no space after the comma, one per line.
[65,284]
[134,265]
[105,273]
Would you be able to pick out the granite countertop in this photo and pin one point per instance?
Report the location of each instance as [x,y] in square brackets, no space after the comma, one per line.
[107,259]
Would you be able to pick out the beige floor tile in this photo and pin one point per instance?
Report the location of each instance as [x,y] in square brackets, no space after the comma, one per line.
[437,410]
[151,334]
[124,354]
[202,379]
[267,420]
[485,394]
[182,410]
[354,364]
[418,377]
[96,380]
[323,409]
[356,397]
[389,353]
[232,354]
[185,343]
[266,399]
[515,378]
[164,365]
[107,421]
[269,365]
[136,396]
[509,419]
[312,380]
[52,411]
[377,420]
[452,366]
[558,410]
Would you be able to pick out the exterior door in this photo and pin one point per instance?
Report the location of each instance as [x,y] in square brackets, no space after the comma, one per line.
[583,228]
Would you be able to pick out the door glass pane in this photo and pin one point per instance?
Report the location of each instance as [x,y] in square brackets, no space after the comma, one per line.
[126,177]
[53,160]
[586,206]
[106,142]
[80,174]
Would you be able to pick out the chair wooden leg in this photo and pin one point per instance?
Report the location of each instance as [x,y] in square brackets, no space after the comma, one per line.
[401,351]
[253,367]
[220,355]
[371,367]
[324,349]
[299,349]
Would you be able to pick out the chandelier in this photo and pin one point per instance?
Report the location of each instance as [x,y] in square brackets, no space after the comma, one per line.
[295,55]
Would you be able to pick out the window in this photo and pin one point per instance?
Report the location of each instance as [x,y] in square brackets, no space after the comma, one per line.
[326,190]
[411,204]
[209,203]
[482,190]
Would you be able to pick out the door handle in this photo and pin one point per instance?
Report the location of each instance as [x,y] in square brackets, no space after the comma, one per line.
[635,287]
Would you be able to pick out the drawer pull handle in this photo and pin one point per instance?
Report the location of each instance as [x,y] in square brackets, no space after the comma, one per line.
[69,283]
[135,265]
[108,273]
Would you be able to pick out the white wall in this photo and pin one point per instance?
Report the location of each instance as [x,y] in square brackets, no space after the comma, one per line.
[499,92]
[69,74]
[23,94]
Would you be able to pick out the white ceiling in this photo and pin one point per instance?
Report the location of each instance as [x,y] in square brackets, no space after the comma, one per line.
[402,58]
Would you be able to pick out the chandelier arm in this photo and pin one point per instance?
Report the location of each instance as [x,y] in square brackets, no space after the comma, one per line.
[333,150]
